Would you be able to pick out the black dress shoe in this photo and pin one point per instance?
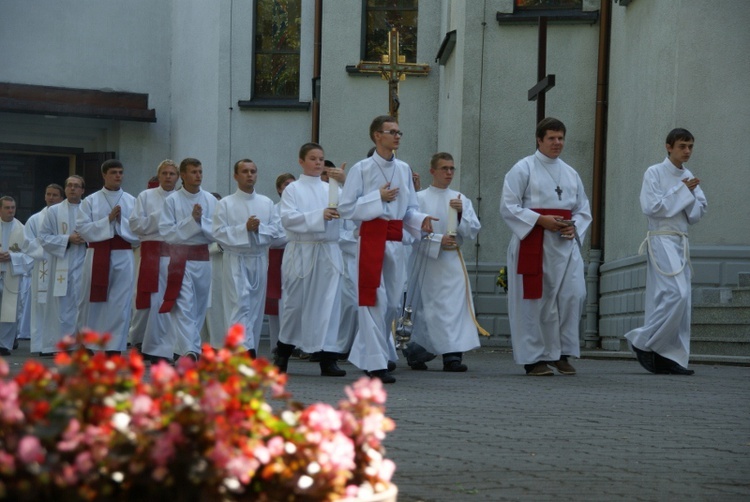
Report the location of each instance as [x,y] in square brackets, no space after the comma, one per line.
[645,359]
[420,366]
[383,375]
[455,367]
[331,369]
[391,366]
[4,352]
[676,369]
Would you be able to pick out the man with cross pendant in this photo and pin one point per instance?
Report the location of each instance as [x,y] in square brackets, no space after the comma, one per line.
[546,208]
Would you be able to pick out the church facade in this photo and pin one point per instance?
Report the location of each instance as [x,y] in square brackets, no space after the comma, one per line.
[229,79]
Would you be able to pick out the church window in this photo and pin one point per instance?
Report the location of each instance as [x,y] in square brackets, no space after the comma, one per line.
[380,16]
[277,49]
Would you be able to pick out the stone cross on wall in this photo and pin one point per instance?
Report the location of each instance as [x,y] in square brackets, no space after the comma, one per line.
[393,68]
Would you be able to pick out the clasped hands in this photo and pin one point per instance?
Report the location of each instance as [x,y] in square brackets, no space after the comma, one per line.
[556,223]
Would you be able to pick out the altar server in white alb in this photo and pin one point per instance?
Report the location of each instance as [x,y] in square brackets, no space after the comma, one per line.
[245,224]
[38,299]
[379,197]
[67,251]
[546,208]
[185,224]
[672,200]
[109,269]
[14,265]
[148,326]
[444,320]
[311,269]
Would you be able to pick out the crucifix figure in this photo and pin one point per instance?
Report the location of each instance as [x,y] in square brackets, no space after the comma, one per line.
[559,192]
[544,82]
[393,68]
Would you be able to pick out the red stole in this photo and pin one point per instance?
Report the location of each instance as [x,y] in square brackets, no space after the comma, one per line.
[273,287]
[179,254]
[531,256]
[373,234]
[100,266]
[148,272]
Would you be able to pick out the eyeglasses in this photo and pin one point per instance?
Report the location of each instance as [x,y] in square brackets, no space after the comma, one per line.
[73,185]
[393,132]
[447,169]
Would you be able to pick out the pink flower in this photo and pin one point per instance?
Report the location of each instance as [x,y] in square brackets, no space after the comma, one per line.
[142,405]
[71,437]
[7,463]
[164,449]
[366,389]
[4,370]
[84,463]
[321,416]
[162,373]
[242,468]
[337,453]
[214,398]
[30,450]
[275,446]
[9,406]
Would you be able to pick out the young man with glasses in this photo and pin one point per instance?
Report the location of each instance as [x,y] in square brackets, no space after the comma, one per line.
[379,197]
[67,250]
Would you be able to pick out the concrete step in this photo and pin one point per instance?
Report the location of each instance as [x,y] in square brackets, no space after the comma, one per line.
[720,314]
[738,332]
[744,279]
[723,347]
[737,297]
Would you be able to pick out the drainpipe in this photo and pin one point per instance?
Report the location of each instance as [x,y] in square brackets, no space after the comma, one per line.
[591,334]
[317,49]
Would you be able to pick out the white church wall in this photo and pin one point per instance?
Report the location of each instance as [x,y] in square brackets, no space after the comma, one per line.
[108,45]
[349,103]
[675,64]
[507,130]
[668,74]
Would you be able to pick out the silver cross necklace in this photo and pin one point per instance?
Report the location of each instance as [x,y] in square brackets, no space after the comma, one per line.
[558,190]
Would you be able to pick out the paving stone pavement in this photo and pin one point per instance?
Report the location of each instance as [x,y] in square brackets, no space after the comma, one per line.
[612,432]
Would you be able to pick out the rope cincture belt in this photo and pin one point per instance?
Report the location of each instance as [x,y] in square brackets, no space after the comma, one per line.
[646,244]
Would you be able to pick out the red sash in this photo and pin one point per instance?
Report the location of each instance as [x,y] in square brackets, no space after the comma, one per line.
[179,254]
[531,256]
[100,266]
[273,287]
[373,234]
[148,272]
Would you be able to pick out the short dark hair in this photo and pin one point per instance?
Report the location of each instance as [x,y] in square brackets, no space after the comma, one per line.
[377,124]
[328,163]
[241,161]
[8,198]
[110,164]
[282,178]
[679,134]
[57,187]
[438,157]
[307,148]
[189,161]
[549,124]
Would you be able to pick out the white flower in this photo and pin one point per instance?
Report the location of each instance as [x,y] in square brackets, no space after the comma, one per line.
[246,370]
[305,482]
[121,421]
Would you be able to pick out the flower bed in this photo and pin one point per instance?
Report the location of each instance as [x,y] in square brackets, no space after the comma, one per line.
[97,428]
